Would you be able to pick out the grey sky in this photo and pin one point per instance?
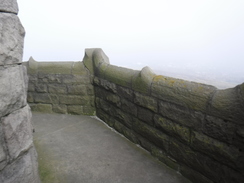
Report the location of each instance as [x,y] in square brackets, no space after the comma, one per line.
[181,35]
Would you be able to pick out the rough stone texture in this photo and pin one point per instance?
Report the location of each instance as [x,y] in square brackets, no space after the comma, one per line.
[191,127]
[23,170]
[12,89]
[11,39]
[18,158]
[142,82]
[9,6]
[60,87]
[18,130]
[184,93]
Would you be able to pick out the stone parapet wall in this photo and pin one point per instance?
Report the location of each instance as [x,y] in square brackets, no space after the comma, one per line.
[18,158]
[194,128]
[60,87]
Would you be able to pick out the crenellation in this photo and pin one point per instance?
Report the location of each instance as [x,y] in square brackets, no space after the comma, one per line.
[193,128]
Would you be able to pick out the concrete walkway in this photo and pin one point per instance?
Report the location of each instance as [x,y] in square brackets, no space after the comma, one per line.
[81,149]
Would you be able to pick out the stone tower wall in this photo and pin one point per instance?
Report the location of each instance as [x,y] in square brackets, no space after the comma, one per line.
[18,158]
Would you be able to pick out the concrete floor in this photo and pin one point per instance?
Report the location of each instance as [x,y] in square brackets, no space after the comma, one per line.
[82,149]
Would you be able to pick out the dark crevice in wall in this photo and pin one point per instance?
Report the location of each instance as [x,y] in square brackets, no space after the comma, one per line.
[2,11]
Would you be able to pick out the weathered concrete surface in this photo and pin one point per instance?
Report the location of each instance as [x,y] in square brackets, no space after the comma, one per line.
[82,149]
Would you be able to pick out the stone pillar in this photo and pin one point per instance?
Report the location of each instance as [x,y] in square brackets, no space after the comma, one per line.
[18,158]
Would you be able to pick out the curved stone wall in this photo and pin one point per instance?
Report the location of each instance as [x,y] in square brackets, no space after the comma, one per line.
[18,158]
[193,128]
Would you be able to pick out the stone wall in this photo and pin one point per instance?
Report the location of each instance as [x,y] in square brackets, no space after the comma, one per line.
[18,158]
[194,128]
[60,87]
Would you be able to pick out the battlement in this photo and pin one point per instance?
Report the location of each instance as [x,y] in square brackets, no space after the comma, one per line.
[193,128]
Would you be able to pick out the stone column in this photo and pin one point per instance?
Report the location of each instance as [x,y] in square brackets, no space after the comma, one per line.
[18,158]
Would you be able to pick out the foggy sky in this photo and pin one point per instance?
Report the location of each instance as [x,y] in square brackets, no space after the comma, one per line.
[198,37]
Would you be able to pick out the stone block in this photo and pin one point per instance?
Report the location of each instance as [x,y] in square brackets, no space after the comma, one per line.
[144,143]
[193,175]
[3,150]
[190,95]
[102,104]
[45,98]
[213,170]
[153,135]
[128,133]
[55,67]
[122,117]
[145,115]
[90,89]
[41,88]
[74,100]
[75,109]
[105,84]
[50,78]
[172,129]
[108,96]
[220,151]
[33,78]
[128,107]
[31,87]
[89,110]
[76,79]
[62,109]
[182,115]
[11,39]
[57,88]
[125,93]
[163,157]
[12,90]
[142,81]
[220,129]
[9,6]
[94,57]
[146,101]
[228,104]
[78,68]
[17,130]
[118,75]
[23,170]
[25,77]
[44,108]
[105,117]
[77,89]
